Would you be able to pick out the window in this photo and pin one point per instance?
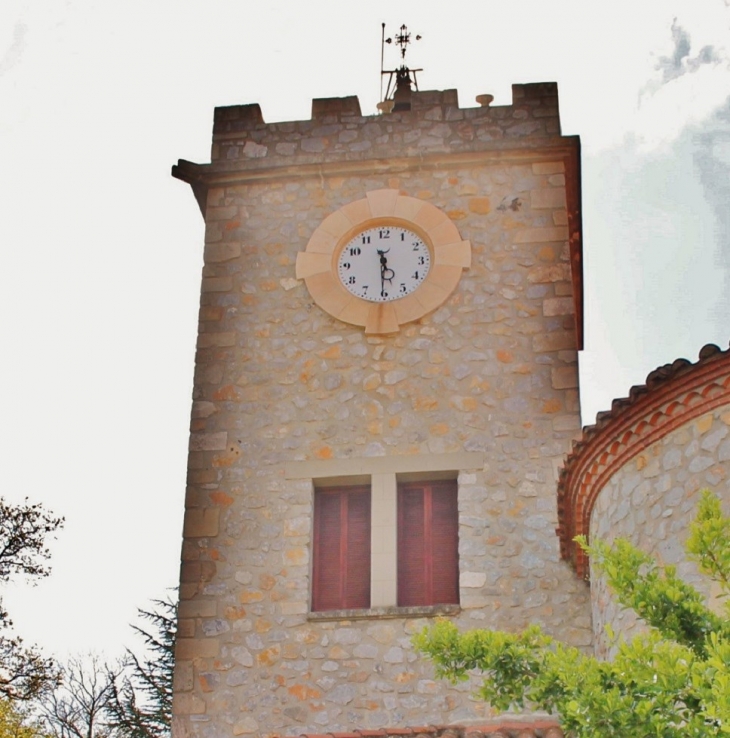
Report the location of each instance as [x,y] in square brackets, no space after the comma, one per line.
[341,556]
[385,534]
[428,544]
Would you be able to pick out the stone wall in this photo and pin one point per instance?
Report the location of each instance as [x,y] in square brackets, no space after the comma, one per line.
[651,502]
[338,132]
[637,473]
[489,380]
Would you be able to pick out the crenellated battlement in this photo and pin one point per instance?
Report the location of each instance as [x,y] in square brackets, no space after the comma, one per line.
[337,128]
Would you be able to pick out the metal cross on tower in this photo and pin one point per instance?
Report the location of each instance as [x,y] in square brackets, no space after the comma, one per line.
[405,77]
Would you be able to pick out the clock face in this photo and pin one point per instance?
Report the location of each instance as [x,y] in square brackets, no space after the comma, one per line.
[383,263]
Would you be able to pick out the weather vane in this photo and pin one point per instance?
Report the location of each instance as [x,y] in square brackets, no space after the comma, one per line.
[404,76]
[402,39]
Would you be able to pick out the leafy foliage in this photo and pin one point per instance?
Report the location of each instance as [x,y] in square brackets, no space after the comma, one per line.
[709,541]
[24,530]
[16,723]
[141,699]
[667,603]
[673,681]
[24,672]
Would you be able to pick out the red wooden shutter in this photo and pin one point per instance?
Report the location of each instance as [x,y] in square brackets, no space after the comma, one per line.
[356,587]
[444,544]
[341,551]
[327,570]
[412,550]
[428,544]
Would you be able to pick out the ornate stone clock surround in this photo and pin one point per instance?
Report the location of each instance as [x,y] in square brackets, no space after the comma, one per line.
[317,265]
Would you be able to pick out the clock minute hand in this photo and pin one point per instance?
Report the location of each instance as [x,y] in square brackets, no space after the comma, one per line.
[386,273]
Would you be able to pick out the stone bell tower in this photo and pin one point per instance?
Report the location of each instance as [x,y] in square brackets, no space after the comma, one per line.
[385,384]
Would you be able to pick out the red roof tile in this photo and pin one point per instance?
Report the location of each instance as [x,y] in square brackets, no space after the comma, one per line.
[673,395]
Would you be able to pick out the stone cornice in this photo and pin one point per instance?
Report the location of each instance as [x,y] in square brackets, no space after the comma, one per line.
[224,174]
[673,395]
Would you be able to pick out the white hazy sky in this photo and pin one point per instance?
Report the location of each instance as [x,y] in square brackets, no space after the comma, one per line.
[102,249]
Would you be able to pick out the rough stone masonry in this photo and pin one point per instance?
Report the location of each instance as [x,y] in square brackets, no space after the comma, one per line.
[485,388]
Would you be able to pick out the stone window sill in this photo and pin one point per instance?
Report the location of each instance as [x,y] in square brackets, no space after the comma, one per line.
[423,611]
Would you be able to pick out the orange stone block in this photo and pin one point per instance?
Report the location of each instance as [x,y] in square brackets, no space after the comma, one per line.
[193,648]
[480,205]
[551,406]
[334,225]
[250,595]
[221,499]
[332,352]
[234,613]
[201,523]
[295,556]
[454,254]
[381,318]
[439,429]
[228,458]
[357,211]
[187,703]
[465,404]
[375,427]
[268,657]
[407,207]
[303,692]
[262,625]
[371,382]
[546,253]
[372,409]
[704,424]
[185,628]
[266,581]
[211,312]
[204,682]
[382,202]
[425,403]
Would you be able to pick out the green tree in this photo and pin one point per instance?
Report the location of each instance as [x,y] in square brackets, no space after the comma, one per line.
[672,681]
[140,704]
[24,529]
[15,721]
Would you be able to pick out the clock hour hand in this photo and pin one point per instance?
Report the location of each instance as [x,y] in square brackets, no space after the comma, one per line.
[386,273]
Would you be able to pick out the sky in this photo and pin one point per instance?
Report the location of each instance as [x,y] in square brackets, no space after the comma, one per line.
[101,249]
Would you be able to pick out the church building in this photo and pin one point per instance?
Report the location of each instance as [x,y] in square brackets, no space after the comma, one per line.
[385,394]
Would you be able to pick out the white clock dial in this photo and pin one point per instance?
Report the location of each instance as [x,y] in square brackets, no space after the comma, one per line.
[383,263]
